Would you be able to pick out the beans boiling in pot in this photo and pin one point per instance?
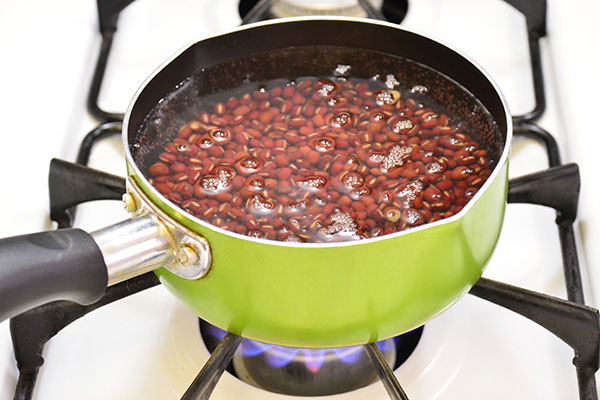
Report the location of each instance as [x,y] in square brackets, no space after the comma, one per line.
[321,160]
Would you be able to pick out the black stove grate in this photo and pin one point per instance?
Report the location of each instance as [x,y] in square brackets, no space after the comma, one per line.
[557,187]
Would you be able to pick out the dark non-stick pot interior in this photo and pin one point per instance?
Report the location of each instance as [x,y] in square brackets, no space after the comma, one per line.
[301,48]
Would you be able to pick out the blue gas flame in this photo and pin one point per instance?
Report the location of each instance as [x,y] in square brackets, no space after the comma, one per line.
[280,356]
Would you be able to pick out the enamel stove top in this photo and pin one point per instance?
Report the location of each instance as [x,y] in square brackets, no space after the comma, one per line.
[147,346]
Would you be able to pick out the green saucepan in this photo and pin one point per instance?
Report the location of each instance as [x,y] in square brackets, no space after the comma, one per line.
[301,294]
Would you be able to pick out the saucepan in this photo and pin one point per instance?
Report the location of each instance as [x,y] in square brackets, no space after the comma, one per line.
[294,294]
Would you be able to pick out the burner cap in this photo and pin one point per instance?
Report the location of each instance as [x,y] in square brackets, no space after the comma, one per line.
[393,10]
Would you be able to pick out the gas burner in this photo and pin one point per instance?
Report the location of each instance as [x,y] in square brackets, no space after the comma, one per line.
[309,372]
[391,10]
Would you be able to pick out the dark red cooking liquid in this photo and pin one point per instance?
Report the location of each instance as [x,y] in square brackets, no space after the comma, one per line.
[321,160]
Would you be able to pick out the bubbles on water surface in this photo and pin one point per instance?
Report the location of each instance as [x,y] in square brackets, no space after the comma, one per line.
[342,70]
[419,89]
[391,82]
[343,225]
[396,157]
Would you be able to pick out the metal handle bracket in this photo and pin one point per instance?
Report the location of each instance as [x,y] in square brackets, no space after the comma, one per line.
[192,257]
[149,240]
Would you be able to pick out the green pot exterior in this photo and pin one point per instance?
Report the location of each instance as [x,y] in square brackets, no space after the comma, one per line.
[351,294]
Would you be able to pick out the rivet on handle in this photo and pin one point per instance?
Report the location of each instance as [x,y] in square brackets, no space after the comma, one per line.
[186,256]
[129,203]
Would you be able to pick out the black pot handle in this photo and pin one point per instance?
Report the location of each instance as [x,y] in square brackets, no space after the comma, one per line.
[38,268]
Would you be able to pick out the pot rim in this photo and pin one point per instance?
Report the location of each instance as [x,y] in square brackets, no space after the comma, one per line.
[446,221]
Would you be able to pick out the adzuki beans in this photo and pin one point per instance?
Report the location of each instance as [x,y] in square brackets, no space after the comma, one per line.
[321,160]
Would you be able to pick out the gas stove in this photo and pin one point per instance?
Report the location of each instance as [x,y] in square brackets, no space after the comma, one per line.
[148,346]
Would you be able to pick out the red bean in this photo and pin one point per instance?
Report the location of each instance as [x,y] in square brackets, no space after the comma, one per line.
[219,108]
[460,173]
[157,169]
[167,157]
[241,110]
[185,131]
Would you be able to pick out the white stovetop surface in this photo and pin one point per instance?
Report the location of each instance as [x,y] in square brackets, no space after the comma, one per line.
[146,347]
